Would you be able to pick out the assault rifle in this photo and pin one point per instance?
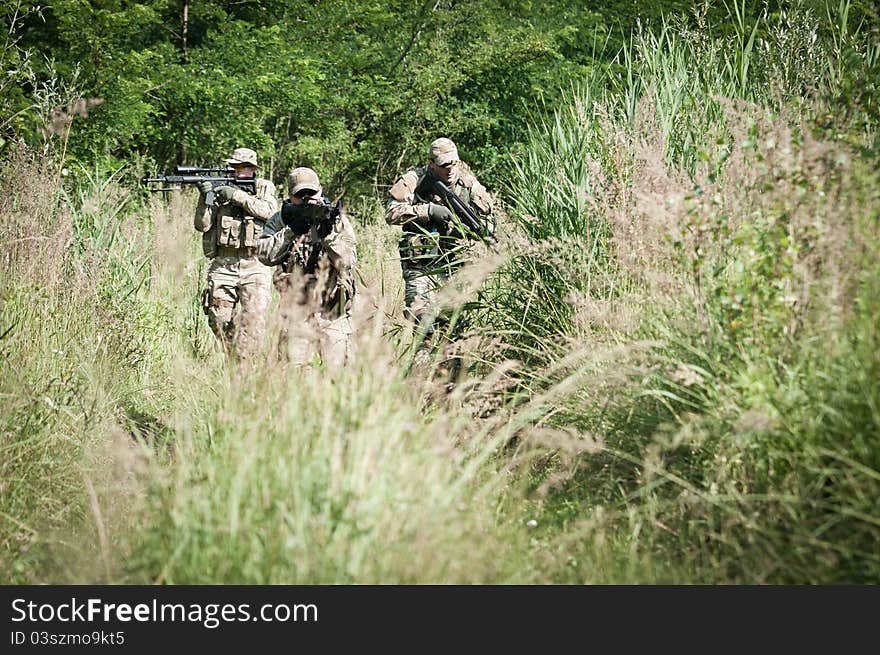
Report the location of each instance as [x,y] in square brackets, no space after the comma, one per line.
[217,176]
[322,214]
[464,212]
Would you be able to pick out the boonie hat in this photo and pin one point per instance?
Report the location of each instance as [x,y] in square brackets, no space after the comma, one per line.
[242,156]
[303,178]
[443,151]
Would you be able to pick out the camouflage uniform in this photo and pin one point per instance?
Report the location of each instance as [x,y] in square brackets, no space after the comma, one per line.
[230,233]
[316,281]
[428,253]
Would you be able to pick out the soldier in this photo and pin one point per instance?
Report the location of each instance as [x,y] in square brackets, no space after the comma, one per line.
[313,244]
[434,244]
[236,278]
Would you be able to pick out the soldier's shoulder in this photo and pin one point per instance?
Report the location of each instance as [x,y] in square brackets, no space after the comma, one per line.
[346,222]
[406,184]
[466,175]
[413,173]
[265,185]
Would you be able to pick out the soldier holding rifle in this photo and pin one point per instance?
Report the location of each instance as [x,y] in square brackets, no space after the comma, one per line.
[313,244]
[442,207]
[231,219]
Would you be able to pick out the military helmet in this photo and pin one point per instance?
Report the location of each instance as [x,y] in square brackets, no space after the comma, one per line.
[242,156]
[303,178]
[443,152]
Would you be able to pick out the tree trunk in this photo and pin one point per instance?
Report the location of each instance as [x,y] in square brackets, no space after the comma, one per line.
[184,28]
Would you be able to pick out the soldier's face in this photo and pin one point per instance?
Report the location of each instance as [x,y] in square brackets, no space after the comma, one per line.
[442,173]
[241,171]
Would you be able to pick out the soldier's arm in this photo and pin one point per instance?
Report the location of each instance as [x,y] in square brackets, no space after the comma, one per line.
[202,217]
[341,245]
[261,206]
[403,206]
[275,241]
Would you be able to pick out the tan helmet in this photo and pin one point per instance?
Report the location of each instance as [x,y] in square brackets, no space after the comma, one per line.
[303,178]
[443,151]
[242,156]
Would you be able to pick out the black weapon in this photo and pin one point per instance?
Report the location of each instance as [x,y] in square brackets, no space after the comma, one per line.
[465,214]
[200,170]
[321,213]
[196,175]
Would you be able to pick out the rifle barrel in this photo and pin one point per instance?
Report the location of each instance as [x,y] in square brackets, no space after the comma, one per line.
[192,179]
[465,213]
[190,170]
[247,184]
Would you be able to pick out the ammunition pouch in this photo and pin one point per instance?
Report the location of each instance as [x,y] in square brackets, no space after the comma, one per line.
[232,234]
[209,244]
[209,300]
[237,232]
[419,249]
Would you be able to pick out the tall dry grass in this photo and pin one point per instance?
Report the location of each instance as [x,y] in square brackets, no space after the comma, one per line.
[703,230]
[133,451]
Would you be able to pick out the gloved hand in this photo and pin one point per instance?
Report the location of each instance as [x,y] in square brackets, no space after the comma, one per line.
[326,224]
[294,218]
[440,213]
[204,187]
[224,193]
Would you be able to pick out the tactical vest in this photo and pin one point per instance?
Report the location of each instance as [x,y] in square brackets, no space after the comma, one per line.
[232,231]
[427,248]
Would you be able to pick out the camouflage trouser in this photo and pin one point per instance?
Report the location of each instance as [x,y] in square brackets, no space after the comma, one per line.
[420,293]
[308,330]
[236,300]
[328,339]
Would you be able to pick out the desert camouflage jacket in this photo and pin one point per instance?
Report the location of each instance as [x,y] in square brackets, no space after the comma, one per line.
[423,244]
[234,228]
[320,268]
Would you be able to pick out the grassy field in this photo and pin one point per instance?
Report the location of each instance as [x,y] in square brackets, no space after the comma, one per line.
[671,369]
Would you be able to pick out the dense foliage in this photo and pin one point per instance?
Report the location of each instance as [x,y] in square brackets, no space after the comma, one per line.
[354,89]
